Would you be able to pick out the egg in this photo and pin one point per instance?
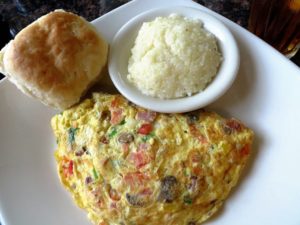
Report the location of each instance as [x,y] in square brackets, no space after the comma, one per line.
[127,165]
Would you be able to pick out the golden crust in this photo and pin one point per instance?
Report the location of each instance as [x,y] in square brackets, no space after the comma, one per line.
[55,59]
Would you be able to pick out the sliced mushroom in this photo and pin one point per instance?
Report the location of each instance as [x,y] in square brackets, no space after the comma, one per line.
[125,138]
[88,180]
[135,200]
[169,189]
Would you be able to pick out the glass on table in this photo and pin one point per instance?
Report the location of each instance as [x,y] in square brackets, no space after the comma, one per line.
[278,23]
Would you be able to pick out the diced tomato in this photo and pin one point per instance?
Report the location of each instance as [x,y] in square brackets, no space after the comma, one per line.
[233,125]
[196,133]
[70,168]
[116,102]
[136,179]
[67,167]
[116,116]
[197,170]
[148,116]
[145,129]
[139,158]
[194,162]
[245,150]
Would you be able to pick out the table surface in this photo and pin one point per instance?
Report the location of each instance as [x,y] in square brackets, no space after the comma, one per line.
[15,15]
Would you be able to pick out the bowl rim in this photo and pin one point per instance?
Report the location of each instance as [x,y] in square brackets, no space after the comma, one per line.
[119,52]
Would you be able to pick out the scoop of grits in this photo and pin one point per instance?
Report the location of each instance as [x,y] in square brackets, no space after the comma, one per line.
[173,57]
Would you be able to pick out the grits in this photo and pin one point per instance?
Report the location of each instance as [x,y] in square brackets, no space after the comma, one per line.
[173,57]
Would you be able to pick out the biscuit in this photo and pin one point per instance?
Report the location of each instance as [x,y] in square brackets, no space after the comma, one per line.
[55,59]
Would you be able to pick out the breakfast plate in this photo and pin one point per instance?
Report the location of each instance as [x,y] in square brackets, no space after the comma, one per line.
[265,96]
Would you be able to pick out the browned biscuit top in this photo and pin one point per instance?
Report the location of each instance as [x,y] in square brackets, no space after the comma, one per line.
[56,58]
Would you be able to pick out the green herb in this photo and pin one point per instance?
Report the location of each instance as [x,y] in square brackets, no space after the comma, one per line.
[113,132]
[186,172]
[72,132]
[147,137]
[95,174]
[187,199]
[122,122]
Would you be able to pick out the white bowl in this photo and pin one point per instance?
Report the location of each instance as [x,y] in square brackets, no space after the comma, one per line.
[120,51]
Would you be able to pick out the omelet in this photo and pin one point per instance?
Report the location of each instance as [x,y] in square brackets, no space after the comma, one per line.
[126,165]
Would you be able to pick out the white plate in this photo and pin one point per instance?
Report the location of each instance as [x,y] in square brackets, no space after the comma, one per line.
[265,95]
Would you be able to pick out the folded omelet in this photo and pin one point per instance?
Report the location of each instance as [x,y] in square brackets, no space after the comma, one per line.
[129,166]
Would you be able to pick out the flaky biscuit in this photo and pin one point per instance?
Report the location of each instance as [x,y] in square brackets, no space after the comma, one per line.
[55,58]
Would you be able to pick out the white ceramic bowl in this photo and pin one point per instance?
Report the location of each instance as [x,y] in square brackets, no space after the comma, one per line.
[120,52]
